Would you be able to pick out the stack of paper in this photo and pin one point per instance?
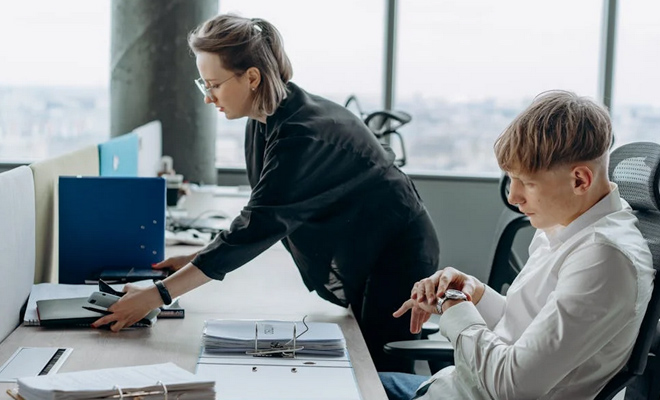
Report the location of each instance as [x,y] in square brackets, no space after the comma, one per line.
[240,336]
[144,382]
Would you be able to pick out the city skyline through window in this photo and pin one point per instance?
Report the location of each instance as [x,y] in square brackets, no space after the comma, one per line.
[463,70]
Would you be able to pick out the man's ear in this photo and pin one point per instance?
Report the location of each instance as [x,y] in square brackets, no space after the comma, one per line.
[583,178]
[254,77]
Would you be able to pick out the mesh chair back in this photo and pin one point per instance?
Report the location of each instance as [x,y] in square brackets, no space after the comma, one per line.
[635,168]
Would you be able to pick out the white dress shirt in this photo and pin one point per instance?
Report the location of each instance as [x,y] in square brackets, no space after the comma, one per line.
[568,322]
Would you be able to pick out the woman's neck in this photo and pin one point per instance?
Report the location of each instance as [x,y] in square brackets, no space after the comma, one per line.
[261,118]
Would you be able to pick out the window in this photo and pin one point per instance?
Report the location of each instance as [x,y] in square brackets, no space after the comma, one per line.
[54,77]
[635,98]
[336,49]
[465,68]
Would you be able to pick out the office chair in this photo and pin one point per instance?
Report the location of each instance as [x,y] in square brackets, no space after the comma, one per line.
[384,125]
[505,266]
[635,168]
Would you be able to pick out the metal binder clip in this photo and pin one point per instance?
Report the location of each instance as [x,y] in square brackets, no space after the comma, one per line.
[164,389]
[276,349]
[121,393]
[140,394]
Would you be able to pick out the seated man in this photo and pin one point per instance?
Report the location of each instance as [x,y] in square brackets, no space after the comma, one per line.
[569,320]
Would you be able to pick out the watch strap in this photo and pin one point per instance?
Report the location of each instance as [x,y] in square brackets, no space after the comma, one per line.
[164,293]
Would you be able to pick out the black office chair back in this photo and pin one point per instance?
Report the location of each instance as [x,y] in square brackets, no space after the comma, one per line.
[505,265]
[385,125]
[635,168]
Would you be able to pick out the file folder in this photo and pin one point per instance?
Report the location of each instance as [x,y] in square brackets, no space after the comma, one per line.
[109,223]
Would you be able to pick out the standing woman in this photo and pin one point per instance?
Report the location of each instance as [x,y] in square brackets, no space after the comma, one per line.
[321,184]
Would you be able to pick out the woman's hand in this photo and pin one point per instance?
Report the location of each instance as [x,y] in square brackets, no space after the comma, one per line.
[132,307]
[137,302]
[430,289]
[174,263]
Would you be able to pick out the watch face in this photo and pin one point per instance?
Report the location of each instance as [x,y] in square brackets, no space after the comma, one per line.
[455,294]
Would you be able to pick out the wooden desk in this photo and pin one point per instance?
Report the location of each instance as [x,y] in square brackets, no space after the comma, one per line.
[267,287]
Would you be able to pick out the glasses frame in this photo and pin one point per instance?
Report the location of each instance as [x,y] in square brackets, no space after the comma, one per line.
[203,87]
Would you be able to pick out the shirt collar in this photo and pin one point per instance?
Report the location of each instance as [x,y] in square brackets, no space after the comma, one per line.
[612,202]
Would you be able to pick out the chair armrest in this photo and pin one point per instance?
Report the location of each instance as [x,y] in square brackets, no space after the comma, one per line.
[435,350]
[429,328]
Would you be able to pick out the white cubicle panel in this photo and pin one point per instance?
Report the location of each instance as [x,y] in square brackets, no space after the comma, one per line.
[150,148]
[46,173]
[17,245]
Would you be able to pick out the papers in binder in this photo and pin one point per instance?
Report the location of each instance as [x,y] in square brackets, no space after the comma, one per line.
[273,337]
[156,381]
[320,369]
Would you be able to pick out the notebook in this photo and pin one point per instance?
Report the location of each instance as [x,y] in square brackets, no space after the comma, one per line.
[52,291]
[109,223]
[70,313]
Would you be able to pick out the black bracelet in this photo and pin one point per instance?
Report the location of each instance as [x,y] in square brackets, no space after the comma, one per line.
[164,293]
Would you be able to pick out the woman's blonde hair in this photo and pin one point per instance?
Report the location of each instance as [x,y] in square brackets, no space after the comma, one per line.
[558,128]
[243,43]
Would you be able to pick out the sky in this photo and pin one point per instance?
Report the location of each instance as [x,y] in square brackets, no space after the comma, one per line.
[459,50]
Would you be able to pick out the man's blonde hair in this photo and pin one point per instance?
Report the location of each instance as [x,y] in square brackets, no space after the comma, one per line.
[242,43]
[558,128]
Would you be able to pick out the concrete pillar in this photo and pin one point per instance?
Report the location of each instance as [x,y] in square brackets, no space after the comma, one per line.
[151,77]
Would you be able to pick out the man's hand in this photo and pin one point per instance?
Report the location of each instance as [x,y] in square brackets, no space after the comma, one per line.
[430,289]
[174,263]
[132,307]
[420,313]
[425,294]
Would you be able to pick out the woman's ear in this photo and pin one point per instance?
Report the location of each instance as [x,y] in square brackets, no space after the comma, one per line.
[254,78]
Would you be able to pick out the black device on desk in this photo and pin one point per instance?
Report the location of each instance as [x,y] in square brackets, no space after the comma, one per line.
[124,275]
[174,310]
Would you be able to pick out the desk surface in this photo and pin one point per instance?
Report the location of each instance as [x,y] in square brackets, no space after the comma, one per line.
[269,287]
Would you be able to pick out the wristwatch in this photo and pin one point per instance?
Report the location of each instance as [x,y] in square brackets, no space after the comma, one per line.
[164,293]
[450,294]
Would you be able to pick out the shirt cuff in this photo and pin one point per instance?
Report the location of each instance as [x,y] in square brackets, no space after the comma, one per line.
[491,306]
[458,318]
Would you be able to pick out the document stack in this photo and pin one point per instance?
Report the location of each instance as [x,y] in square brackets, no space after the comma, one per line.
[261,337]
[156,381]
[277,360]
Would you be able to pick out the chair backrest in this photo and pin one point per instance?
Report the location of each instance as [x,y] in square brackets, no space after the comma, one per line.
[505,266]
[635,168]
[17,245]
